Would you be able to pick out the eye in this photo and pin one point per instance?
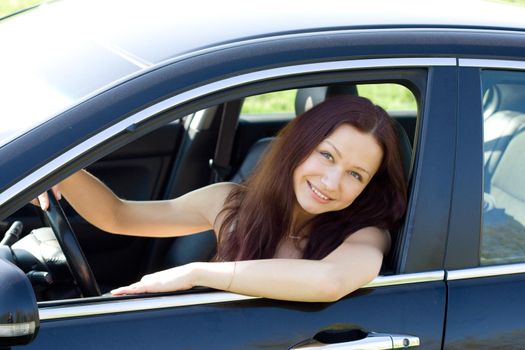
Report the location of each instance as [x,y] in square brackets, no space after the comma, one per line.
[356,175]
[326,155]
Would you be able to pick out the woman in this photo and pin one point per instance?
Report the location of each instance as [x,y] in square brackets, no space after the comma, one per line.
[310,224]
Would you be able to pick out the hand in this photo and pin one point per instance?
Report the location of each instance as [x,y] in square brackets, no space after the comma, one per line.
[177,278]
[43,200]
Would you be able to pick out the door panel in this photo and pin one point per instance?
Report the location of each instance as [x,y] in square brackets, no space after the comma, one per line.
[413,309]
[486,313]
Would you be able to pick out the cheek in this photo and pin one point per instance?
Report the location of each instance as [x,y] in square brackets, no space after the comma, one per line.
[350,193]
[307,168]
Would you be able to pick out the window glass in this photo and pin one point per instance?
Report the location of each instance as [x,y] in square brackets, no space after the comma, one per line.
[503,233]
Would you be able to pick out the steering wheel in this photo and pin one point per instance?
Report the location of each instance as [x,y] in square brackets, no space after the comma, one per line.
[67,240]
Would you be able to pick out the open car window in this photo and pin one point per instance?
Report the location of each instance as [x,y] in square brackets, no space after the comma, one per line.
[174,159]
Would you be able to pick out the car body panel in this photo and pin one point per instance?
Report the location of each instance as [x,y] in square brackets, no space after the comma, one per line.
[484,311]
[260,323]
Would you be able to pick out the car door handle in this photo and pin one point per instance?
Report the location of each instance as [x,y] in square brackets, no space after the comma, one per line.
[373,341]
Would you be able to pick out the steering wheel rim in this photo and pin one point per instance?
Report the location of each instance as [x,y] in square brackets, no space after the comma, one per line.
[67,240]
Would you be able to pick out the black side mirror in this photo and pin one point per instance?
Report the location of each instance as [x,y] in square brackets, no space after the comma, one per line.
[19,321]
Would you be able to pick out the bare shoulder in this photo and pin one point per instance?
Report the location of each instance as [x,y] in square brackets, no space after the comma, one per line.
[209,200]
[218,191]
[373,236]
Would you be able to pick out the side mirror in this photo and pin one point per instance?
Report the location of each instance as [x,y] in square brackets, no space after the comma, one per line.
[19,321]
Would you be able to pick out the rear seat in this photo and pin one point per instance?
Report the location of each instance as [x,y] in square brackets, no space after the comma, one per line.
[503,239]
[499,129]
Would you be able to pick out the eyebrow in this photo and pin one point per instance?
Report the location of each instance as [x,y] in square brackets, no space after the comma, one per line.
[340,156]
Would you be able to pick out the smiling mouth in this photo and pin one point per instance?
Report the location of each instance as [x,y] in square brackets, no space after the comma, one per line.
[317,192]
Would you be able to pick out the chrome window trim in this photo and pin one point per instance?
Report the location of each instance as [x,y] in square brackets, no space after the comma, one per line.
[485,271]
[95,306]
[483,63]
[409,278]
[173,101]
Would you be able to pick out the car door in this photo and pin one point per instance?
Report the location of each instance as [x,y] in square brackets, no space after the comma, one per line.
[404,307]
[486,254]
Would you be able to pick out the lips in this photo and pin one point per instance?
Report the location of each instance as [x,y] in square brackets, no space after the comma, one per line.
[320,196]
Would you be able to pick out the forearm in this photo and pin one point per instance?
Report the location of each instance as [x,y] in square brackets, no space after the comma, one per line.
[285,279]
[93,200]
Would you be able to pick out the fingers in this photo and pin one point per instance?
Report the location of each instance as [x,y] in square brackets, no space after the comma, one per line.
[56,192]
[135,288]
[43,199]
[148,284]
[170,280]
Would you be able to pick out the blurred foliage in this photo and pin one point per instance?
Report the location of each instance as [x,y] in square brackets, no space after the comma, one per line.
[389,96]
[512,2]
[273,102]
[10,6]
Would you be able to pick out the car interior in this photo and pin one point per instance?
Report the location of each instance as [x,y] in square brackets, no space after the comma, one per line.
[504,194]
[166,163]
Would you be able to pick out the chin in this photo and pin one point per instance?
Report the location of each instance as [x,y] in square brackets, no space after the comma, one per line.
[313,209]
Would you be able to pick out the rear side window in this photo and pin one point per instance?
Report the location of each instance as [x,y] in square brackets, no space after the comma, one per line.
[503,233]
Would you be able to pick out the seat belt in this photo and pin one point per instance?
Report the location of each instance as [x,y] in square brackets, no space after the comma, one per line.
[220,164]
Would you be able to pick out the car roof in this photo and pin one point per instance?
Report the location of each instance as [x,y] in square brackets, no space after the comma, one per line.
[153,31]
[65,51]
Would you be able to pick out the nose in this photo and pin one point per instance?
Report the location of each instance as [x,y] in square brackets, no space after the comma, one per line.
[331,178]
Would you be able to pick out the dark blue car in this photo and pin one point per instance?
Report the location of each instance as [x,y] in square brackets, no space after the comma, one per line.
[147,95]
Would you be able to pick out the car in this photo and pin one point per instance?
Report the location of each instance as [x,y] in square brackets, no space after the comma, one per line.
[151,98]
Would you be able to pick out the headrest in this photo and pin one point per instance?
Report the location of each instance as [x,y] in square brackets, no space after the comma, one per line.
[341,89]
[308,97]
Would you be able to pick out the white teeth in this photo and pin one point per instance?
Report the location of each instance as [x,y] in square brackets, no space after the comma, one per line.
[318,193]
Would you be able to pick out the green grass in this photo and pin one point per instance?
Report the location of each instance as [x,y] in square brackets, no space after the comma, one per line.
[388,96]
[280,101]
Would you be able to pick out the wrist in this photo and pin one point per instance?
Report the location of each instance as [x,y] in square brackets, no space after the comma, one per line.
[195,274]
[217,275]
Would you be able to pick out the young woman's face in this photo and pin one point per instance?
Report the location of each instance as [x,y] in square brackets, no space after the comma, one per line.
[337,171]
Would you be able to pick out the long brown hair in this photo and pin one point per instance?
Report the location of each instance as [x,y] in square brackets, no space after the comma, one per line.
[257,215]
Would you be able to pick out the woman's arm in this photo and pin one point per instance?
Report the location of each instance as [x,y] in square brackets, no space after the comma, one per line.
[353,264]
[194,212]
